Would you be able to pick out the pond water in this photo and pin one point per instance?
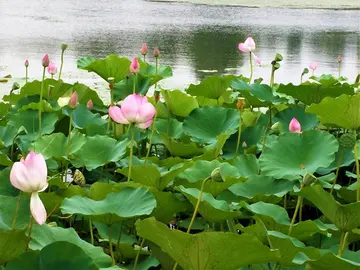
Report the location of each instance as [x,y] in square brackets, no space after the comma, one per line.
[196,40]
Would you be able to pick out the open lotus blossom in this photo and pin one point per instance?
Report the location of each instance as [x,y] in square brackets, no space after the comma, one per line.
[26,63]
[52,69]
[144,49]
[134,66]
[30,176]
[74,100]
[248,45]
[313,66]
[156,52]
[90,104]
[294,126]
[46,61]
[134,109]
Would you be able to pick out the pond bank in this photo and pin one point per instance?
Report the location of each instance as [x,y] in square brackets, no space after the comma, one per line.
[303,4]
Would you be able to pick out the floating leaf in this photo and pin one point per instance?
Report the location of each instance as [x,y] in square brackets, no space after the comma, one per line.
[212,87]
[307,120]
[179,103]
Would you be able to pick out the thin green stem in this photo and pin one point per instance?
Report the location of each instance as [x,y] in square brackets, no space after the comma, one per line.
[337,171]
[61,64]
[16,212]
[341,245]
[134,84]
[156,69]
[339,69]
[30,230]
[69,137]
[131,153]
[195,211]
[356,155]
[239,137]
[144,58]
[40,104]
[150,139]
[91,232]
[301,209]
[272,77]
[110,245]
[119,237]
[138,254]
[301,78]
[295,214]
[26,74]
[251,69]
[285,201]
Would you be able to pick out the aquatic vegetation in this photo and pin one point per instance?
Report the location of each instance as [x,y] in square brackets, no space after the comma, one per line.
[230,173]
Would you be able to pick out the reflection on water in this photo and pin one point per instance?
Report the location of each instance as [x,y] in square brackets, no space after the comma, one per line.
[195,40]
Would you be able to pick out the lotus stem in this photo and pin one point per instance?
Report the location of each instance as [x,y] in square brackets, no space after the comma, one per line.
[356,155]
[110,245]
[339,69]
[91,232]
[16,211]
[150,140]
[144,58]
[138,254]
[119,237]
[61,64]
[30,230]
[295,214]
[26,74]
[337,171]
[251,69]
[195,210]
[343,240]
[134,84]
[238,138]
[131,153]
[40,104]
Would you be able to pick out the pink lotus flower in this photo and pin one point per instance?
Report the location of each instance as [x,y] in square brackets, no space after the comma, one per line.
[46,60]
[156,52]
[52,69]
[257,59]
[248,45]
[30,176]
[26,63]
[135,109]
[74,100]
[134,66]
[340,59]
[144,49]
[313,66]
[294,126]
[90,104]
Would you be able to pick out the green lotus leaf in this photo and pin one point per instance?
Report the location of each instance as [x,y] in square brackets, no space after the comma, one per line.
[343,111]
[12,244]
[112,66]
[344,217]
[134,203]
[210,209]
[307,120]
[247,165]
[205,124]
[211,87]
[297,154]
[181,149]
[211,250]
[82,117]
[179,103]
[7,212]
[43,236]
[6,188]
[330,261]
[314,92]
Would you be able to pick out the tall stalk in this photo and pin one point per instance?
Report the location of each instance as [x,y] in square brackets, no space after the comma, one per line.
[251,69]
[40,104]
[131,153]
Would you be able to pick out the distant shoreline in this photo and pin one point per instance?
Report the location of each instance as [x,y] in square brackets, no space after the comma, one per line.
[296,4]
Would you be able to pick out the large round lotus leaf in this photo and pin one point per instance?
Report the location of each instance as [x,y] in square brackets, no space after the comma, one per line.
[296,154]
[210,209]
[112,66]
[57,256]
[343,111]
[12,244]
[128,203]
[307,120]
[246,164]
[258,95]
[179,148]
[330,261]
[313,92]
[212,87]
[45,235]
[210,250]
[7,211]
[205,124]
[179,103]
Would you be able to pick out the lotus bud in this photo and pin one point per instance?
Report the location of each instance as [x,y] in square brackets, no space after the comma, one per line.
[244,145]
[216,176]
[276,127]
[278,57]
[157,96]
[26,63]
[74,100]
[294,126]
[156,52]
[305,71]
[339,58]
[15,86]
[45,61]
[52,69]
[144,49]
[135,66]
[241,104]
[89,104]
[308,179]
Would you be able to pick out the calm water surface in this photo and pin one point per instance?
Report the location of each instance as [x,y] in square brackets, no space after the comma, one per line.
[196,40]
